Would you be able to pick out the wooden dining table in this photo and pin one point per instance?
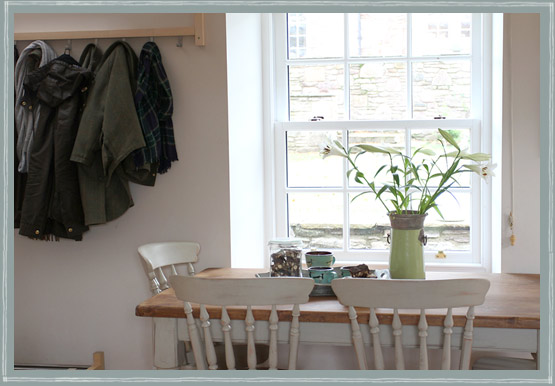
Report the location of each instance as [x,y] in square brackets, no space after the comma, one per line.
[509,319]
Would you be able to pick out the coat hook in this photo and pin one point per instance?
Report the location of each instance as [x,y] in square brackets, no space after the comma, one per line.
[179,41]
[67,50]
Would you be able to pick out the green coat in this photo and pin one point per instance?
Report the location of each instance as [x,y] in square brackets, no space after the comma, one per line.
[108,133]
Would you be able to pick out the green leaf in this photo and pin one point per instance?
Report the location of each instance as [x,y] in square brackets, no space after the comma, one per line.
[396,179]
[391,150]
[382,189]
[372,149]
[349,172]
[360,194]
[449,138]
[476,157]
[438,211]
[359,154]
[358,176]
[423,151]
[338,144]
[405,202]
[379,170]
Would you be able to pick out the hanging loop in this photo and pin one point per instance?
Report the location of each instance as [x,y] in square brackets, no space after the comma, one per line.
[67,50]
[422,237]
[388,239]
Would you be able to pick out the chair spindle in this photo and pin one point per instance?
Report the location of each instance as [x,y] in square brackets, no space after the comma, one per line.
[162,279]
[447,333]
[194,336]
[398,334]
[154,284]
[174,271]
[376,344]
[208,343]
[251,349]
[357,339]
[273,326]
[190,269]
[226,329]
[467,340]
[294,334]
[423,334]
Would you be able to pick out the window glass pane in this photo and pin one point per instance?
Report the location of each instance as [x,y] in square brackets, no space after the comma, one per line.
[441,34]
[377,34]
[316,91]
[369,163]
[305,167]
[429,139]
[317,35]
[441,88]
[317,219]
[378,90]
[453,231]
[369,223]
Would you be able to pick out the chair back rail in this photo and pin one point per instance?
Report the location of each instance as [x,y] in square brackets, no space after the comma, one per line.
[157,256]
[241,292]
[411,294]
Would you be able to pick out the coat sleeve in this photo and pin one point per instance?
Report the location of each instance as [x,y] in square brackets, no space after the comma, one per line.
[109,123]
[121,128]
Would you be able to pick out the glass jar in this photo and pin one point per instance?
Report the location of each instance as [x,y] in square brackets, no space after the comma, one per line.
[285,257]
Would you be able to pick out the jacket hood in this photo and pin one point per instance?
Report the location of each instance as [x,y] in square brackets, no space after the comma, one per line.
[58,80]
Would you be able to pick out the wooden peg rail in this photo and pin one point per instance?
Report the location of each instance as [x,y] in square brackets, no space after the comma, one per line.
[197,31]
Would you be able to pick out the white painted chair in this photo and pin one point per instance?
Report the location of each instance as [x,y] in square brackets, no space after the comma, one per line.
[157,256]
[167,255]
[410,294]
[240,292]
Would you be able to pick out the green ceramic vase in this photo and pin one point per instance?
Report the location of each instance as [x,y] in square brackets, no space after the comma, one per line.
[406,255]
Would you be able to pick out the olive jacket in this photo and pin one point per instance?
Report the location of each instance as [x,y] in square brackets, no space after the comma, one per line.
[108,133]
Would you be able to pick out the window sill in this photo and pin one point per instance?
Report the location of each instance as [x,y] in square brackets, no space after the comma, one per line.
[454,267]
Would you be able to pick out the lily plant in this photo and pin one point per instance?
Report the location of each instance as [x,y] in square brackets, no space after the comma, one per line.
[412,187]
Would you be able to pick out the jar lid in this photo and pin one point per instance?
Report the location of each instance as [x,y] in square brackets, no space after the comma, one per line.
[286,242]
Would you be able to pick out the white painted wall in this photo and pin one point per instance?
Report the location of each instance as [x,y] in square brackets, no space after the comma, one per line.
[246,140]
[74,298]
[521,112]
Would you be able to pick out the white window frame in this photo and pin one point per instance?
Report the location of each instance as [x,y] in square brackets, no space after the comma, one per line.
[480,248]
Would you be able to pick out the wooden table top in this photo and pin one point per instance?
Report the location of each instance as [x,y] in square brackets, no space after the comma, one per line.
[513,301]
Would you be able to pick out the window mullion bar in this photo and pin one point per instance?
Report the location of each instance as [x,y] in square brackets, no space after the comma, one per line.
[357,60]
[346,219]
[347,85]
[347,110]
[409,66]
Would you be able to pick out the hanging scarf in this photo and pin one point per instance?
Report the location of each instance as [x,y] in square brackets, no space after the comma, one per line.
[35,55]
[154,103]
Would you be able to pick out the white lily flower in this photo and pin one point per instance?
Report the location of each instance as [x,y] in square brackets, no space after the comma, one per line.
[483,171]
[487,170]
[329,147]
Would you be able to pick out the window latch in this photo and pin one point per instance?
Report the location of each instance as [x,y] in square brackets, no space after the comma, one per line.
[316,118]
[439,117]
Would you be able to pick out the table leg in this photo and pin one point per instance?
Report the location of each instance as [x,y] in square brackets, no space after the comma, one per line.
[537,354]
[166,345]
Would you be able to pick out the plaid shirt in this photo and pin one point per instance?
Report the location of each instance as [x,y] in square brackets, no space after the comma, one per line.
[154,103]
